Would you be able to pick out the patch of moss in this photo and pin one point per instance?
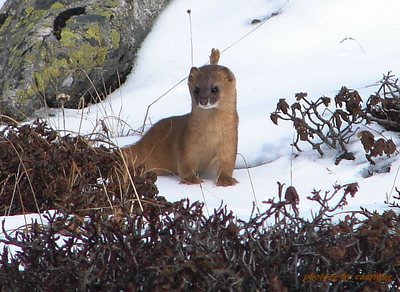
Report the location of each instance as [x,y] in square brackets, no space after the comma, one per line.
[57,5]
[105,13]
[88,56]
[115,38]
[79,55]
[30,58]
[42,53]
[68,38]
[93,32]
[31,15]
[39,14]
[24,96]
[43,77]
[63,63]
[28,10]
[31,91]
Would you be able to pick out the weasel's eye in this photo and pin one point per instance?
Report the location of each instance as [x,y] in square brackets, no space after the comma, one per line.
[214,89]
[196,90]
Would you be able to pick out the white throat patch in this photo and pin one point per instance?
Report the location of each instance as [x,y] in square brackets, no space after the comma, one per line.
[208,106]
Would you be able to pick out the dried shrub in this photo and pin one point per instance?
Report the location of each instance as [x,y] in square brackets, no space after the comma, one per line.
[316,123]
[175,247]
[315,127]
[41,170]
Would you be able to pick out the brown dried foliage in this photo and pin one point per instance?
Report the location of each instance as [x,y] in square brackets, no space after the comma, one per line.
[376,148]
[320,126]
[40,170]
[314,126]
[384,106]
[175,247]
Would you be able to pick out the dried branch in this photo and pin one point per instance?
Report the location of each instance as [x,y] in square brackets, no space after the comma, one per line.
[318,125]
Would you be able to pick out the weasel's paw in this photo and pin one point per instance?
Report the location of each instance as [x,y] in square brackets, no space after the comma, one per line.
[191,180]
[226,181]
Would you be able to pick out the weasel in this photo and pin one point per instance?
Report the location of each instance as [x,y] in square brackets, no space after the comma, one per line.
[201,141]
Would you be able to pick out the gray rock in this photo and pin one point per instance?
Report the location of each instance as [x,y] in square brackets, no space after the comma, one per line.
[81,48]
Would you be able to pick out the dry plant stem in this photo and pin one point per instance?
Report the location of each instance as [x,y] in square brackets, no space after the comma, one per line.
[251,181]
[6,212]
[384,122]
[131,181]
[324,201]
[25,171]
[332,135]
[98,95]
[14,190]
[81,116]
[119,86]
[110,127]
[204,197]
[393,185]
[63,114]
[119,121]
[191,37]
[156,100]
[105,189]
[22,206]
[8,120]
[119,179]
[383,107]
[389,86]
[315,145]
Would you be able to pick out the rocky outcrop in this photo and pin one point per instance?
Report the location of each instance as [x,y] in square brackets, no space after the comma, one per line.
[80,48]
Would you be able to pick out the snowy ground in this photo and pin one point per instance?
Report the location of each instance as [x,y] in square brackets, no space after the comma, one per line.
[311,46]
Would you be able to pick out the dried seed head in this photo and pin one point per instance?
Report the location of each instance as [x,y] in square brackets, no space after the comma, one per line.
[291,195]
[326,100]
[62,97]
[274,118]
[301,95]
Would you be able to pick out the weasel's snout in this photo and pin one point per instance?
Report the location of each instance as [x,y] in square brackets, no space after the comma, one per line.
[203,100]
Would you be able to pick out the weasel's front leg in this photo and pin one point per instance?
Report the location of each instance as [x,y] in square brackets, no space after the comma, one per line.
[226,181]
[191,180]
[187,170]
[225,178]
[226,162]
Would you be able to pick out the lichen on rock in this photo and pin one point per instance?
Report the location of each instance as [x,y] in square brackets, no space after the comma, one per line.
[81,48]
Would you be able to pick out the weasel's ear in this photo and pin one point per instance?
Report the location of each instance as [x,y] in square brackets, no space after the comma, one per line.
[193,72]
[228,74]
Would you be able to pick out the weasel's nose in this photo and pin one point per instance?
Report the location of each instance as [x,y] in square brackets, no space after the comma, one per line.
[203,101]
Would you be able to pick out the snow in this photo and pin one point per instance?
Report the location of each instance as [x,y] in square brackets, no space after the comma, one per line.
[309,46]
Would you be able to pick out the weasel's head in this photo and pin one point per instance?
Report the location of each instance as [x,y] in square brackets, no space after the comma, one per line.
[211,87]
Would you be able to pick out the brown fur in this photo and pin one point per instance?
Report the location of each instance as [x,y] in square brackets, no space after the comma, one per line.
[201,141]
